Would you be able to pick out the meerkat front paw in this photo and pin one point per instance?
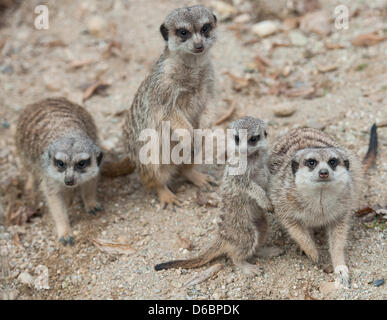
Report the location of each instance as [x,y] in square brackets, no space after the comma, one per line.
[342,276]
[94,208]
[311,253]
[199,179]
[252,270]
[167,197]
[67,240]
[270,252]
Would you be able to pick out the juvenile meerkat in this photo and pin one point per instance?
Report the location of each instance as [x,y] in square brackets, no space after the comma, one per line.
[315,182]
[57,144]
[177,90]
[243,227]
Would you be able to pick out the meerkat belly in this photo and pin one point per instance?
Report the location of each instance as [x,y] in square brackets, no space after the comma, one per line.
[322,207]
[192,106]
[259,224]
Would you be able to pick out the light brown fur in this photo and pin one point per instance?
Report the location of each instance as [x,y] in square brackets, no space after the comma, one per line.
[53,128]
[177,90]
[303,201]
[243,227]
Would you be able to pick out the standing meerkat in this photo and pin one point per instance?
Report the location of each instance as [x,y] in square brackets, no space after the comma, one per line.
[315,182]
[243,227]
[177,90]
[57,144]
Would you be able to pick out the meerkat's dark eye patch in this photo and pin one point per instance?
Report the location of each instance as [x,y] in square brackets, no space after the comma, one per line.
[346,163]
[60,164]
[311,163]
[206,29]
[82,164]
[236,139]
[184,34]
[254,139]
[333,162]
[164,32]
[265,134]
[295,166]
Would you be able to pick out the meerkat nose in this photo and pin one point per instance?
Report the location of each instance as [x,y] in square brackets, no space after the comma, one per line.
[323,173]
[69,181]
[199,47]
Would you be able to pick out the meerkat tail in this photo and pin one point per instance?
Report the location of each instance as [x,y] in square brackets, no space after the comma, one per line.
[215,251]
[116,169]
[370,157]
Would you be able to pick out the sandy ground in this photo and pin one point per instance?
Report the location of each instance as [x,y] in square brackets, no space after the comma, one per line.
[37,63]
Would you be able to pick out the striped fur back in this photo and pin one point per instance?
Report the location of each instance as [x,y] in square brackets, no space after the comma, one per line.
[46,121]
[296,139]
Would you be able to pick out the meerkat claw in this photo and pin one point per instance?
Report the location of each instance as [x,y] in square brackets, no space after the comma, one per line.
[342,277]
[67,240]
[93,211]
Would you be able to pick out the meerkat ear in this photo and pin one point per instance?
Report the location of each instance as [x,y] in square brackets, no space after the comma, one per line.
[215,19]
[346,163]
[295,166]
[99,158]
[164,32]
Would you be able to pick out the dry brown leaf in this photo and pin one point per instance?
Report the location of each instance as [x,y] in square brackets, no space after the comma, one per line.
[333,46]
[113,247]
[239,83]
[184,243]
[277,88]
[364,211]
[20,215]
[16,240]
[80,63]
[113,49]
[55,43]
[277,45]
[203,276]
[324,69]
[94,89]
[261,63]
[305,92]
[251,42]
[368,39]
[227,115]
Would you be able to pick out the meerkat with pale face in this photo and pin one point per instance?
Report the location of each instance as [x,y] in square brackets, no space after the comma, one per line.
[243,226]
[57,143]
[315,182]
[177,91]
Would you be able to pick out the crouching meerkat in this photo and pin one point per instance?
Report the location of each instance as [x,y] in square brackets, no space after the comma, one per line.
[57,143]
[177,91]
[315,182]
[243,226]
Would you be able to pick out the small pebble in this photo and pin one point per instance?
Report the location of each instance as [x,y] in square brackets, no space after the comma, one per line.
[378,283]
[6,69]
[26,278]
[5,124]
[284,110]
[265,28]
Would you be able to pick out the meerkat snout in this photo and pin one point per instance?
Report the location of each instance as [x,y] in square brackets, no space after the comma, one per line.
[190,30]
